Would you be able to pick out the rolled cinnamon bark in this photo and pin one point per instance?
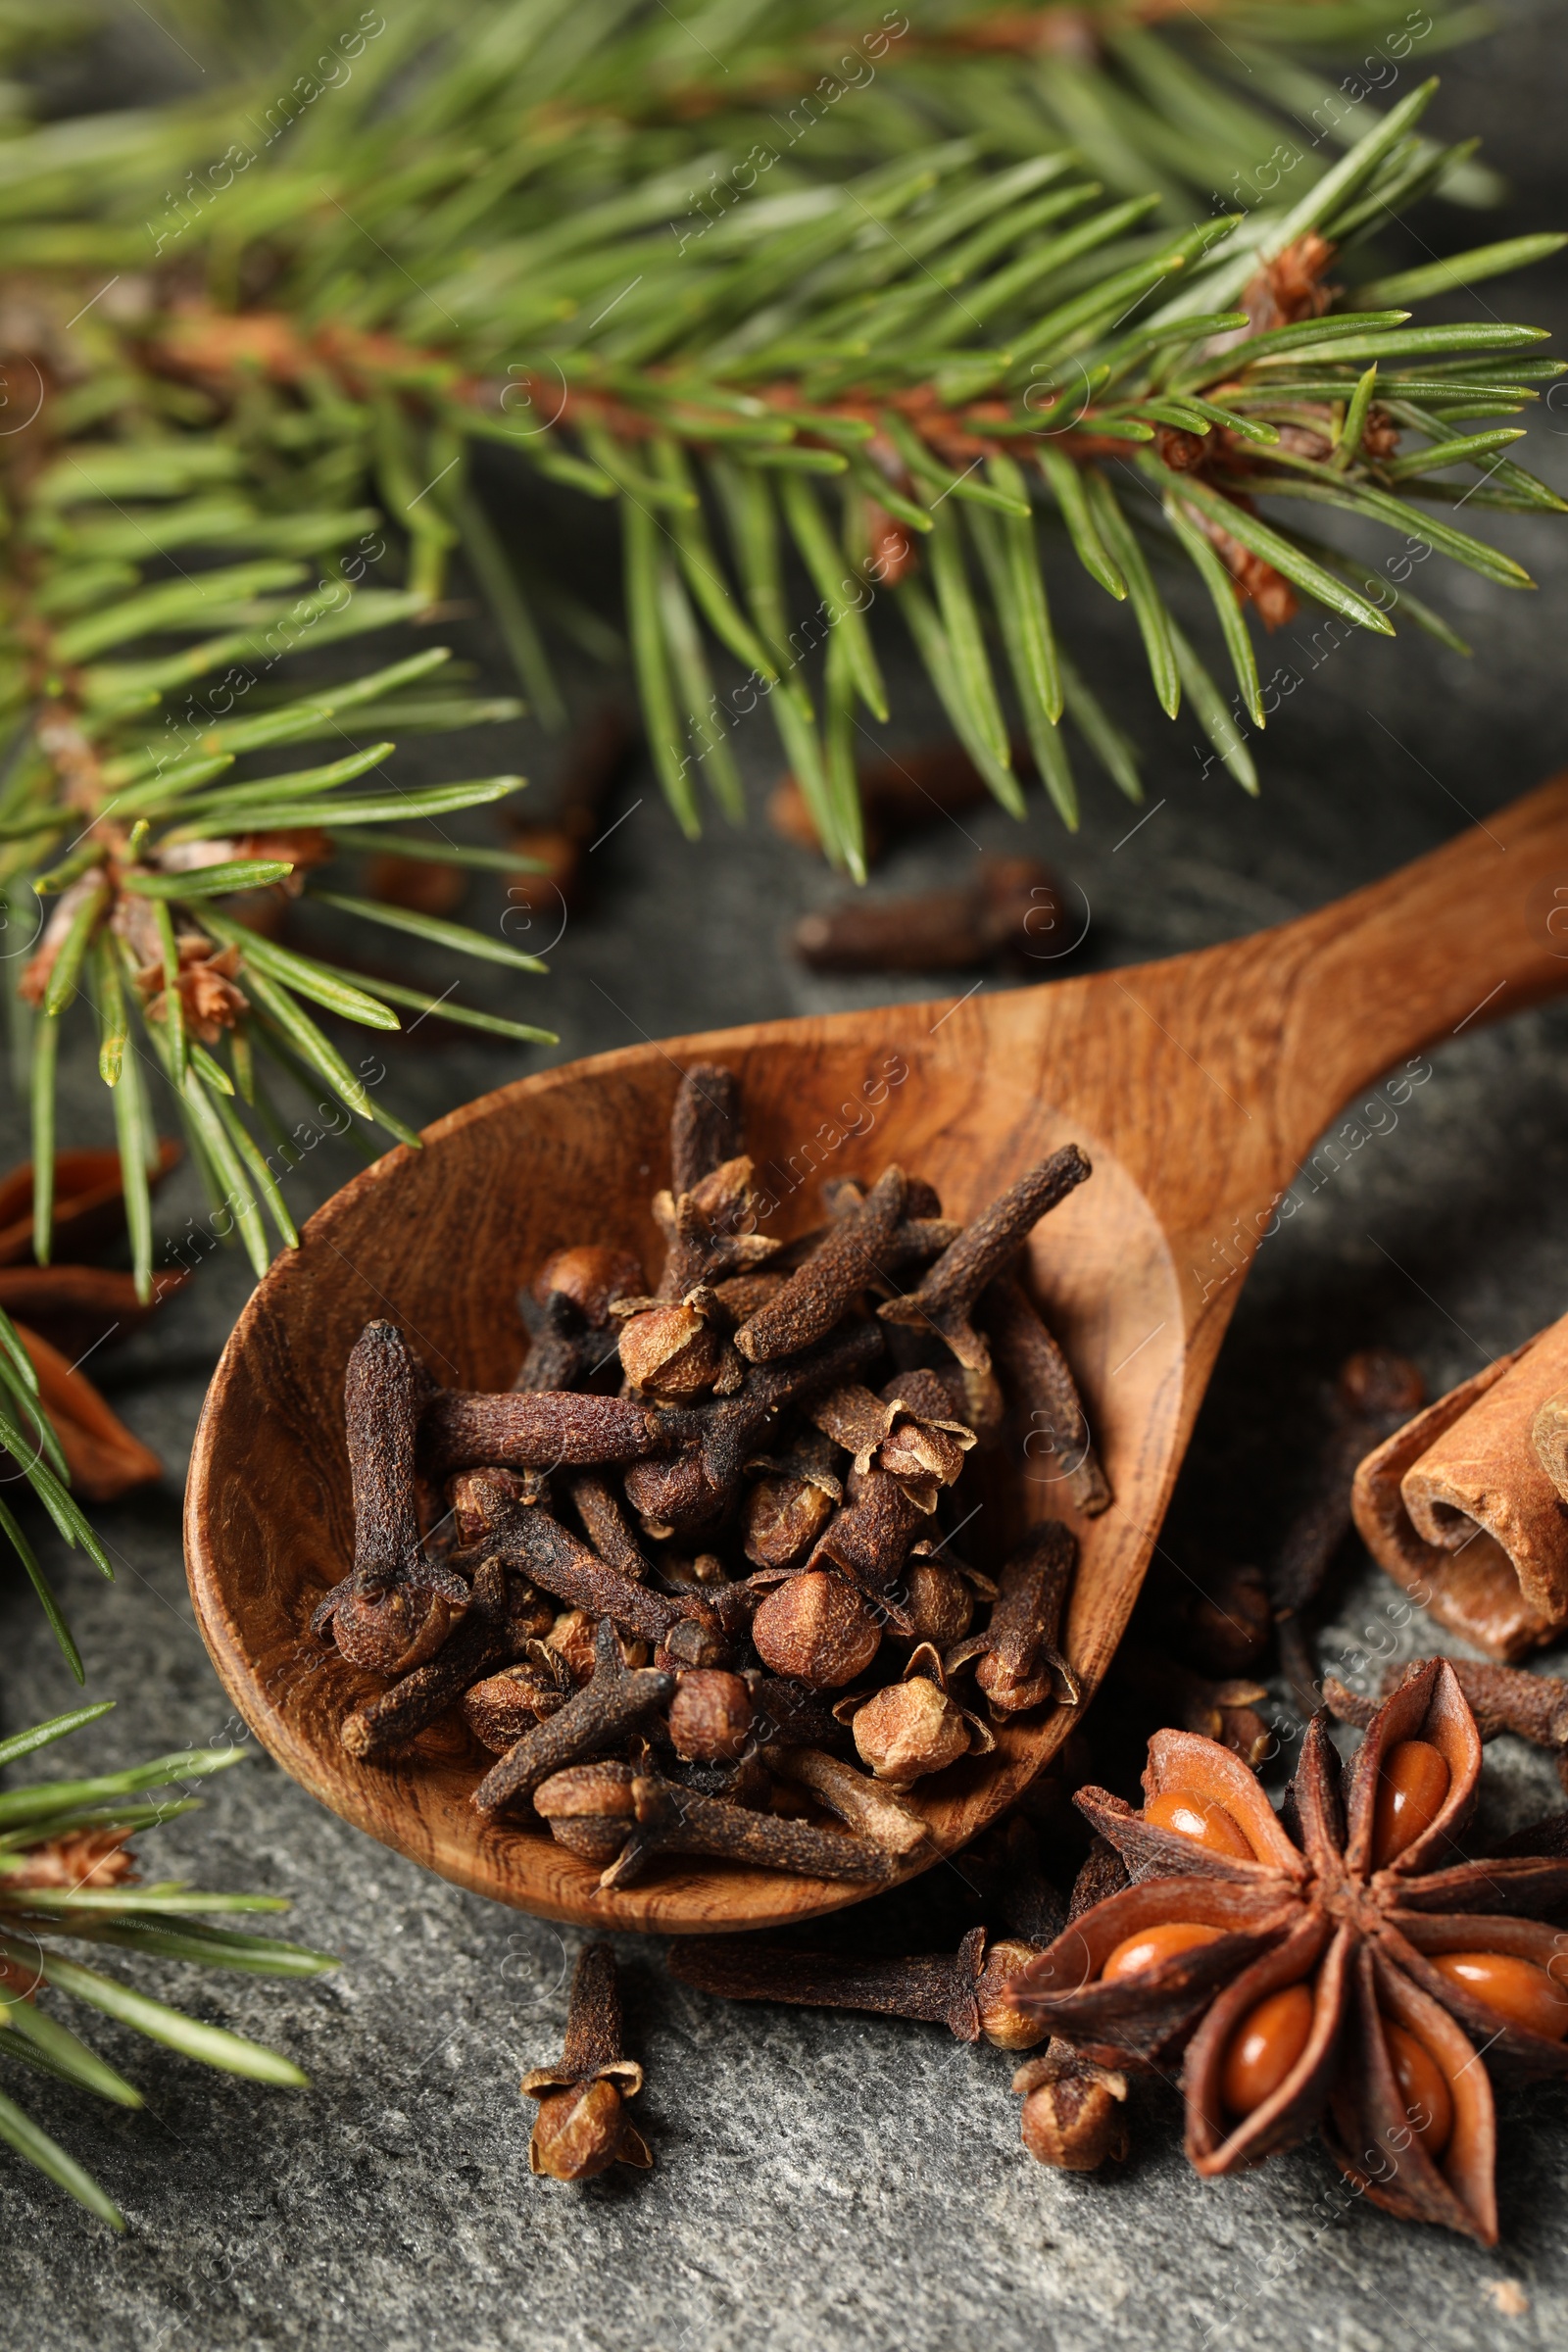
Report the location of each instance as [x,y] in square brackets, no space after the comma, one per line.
[1458,1506]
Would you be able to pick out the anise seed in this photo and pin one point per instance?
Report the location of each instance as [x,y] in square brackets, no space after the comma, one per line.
[1423,2087]
[1190,1815]
[1151,1946]
[1413,1788]
[1518,1990]
[1266,2045]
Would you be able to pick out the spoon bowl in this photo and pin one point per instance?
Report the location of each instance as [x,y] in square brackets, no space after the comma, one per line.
[1195,1086]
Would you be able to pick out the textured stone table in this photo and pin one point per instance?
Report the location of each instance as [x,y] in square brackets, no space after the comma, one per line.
[820,2181]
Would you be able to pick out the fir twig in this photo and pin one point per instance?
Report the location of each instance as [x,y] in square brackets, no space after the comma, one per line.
[66,1869]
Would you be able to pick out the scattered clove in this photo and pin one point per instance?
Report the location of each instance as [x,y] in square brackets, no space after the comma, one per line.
[553,855]
[1220,1618]
[1013,1884]
[1072,2117]
[1011,913]
[900,795]
[1223,1711]
[582,2127]
[964,1991]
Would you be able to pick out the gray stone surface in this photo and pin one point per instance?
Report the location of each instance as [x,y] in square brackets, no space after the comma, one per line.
[820,2181]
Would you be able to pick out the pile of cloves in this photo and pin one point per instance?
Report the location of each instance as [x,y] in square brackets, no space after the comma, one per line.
[703,1552]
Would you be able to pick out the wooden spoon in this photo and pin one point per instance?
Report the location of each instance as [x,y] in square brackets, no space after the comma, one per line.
[1197,1086]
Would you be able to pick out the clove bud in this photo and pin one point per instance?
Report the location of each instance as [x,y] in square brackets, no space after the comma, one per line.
[1011,910]
[709,1717]
[818,1629]
[910,1729]
[1071,2115]
[582,2127]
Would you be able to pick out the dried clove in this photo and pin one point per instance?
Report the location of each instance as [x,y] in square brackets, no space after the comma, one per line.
[1101,1874]
[673,1353]
[554,854]
[589,1808]
[791,1503]
[938,1602]
[562,1351]
[793,1713]
[902,794]
[396,1607]
[569,1313]
[1072,2117]
[673,1820]
[605,1525]
[1222,1617]
[466,1429]
[705,1127]
[945,1299]
[1010,912]
[814,1298]
[963,1991]
[593,1277]
[699,1482]
[863,1805]
[1011,1884]
[710,1232]
[538,1547]
[907,1729]
[1223,1711]
[1048,1405]
[582,2127]
[617,1700]
[818,1629]
[1019,1662]
[709,1717]
[503,1706]
[870,1538]
[479,1640]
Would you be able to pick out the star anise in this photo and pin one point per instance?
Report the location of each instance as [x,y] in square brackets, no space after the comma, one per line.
[1341,1965]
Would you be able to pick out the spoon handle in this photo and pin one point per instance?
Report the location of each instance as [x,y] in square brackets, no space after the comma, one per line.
[1472,933]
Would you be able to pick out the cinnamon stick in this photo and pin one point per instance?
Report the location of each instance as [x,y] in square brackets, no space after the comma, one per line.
[1458,1506]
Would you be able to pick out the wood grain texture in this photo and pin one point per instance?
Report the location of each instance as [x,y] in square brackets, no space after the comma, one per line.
[1195,1086]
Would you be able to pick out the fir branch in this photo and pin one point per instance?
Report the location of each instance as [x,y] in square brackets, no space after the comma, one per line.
[844,380]
[66,1869]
